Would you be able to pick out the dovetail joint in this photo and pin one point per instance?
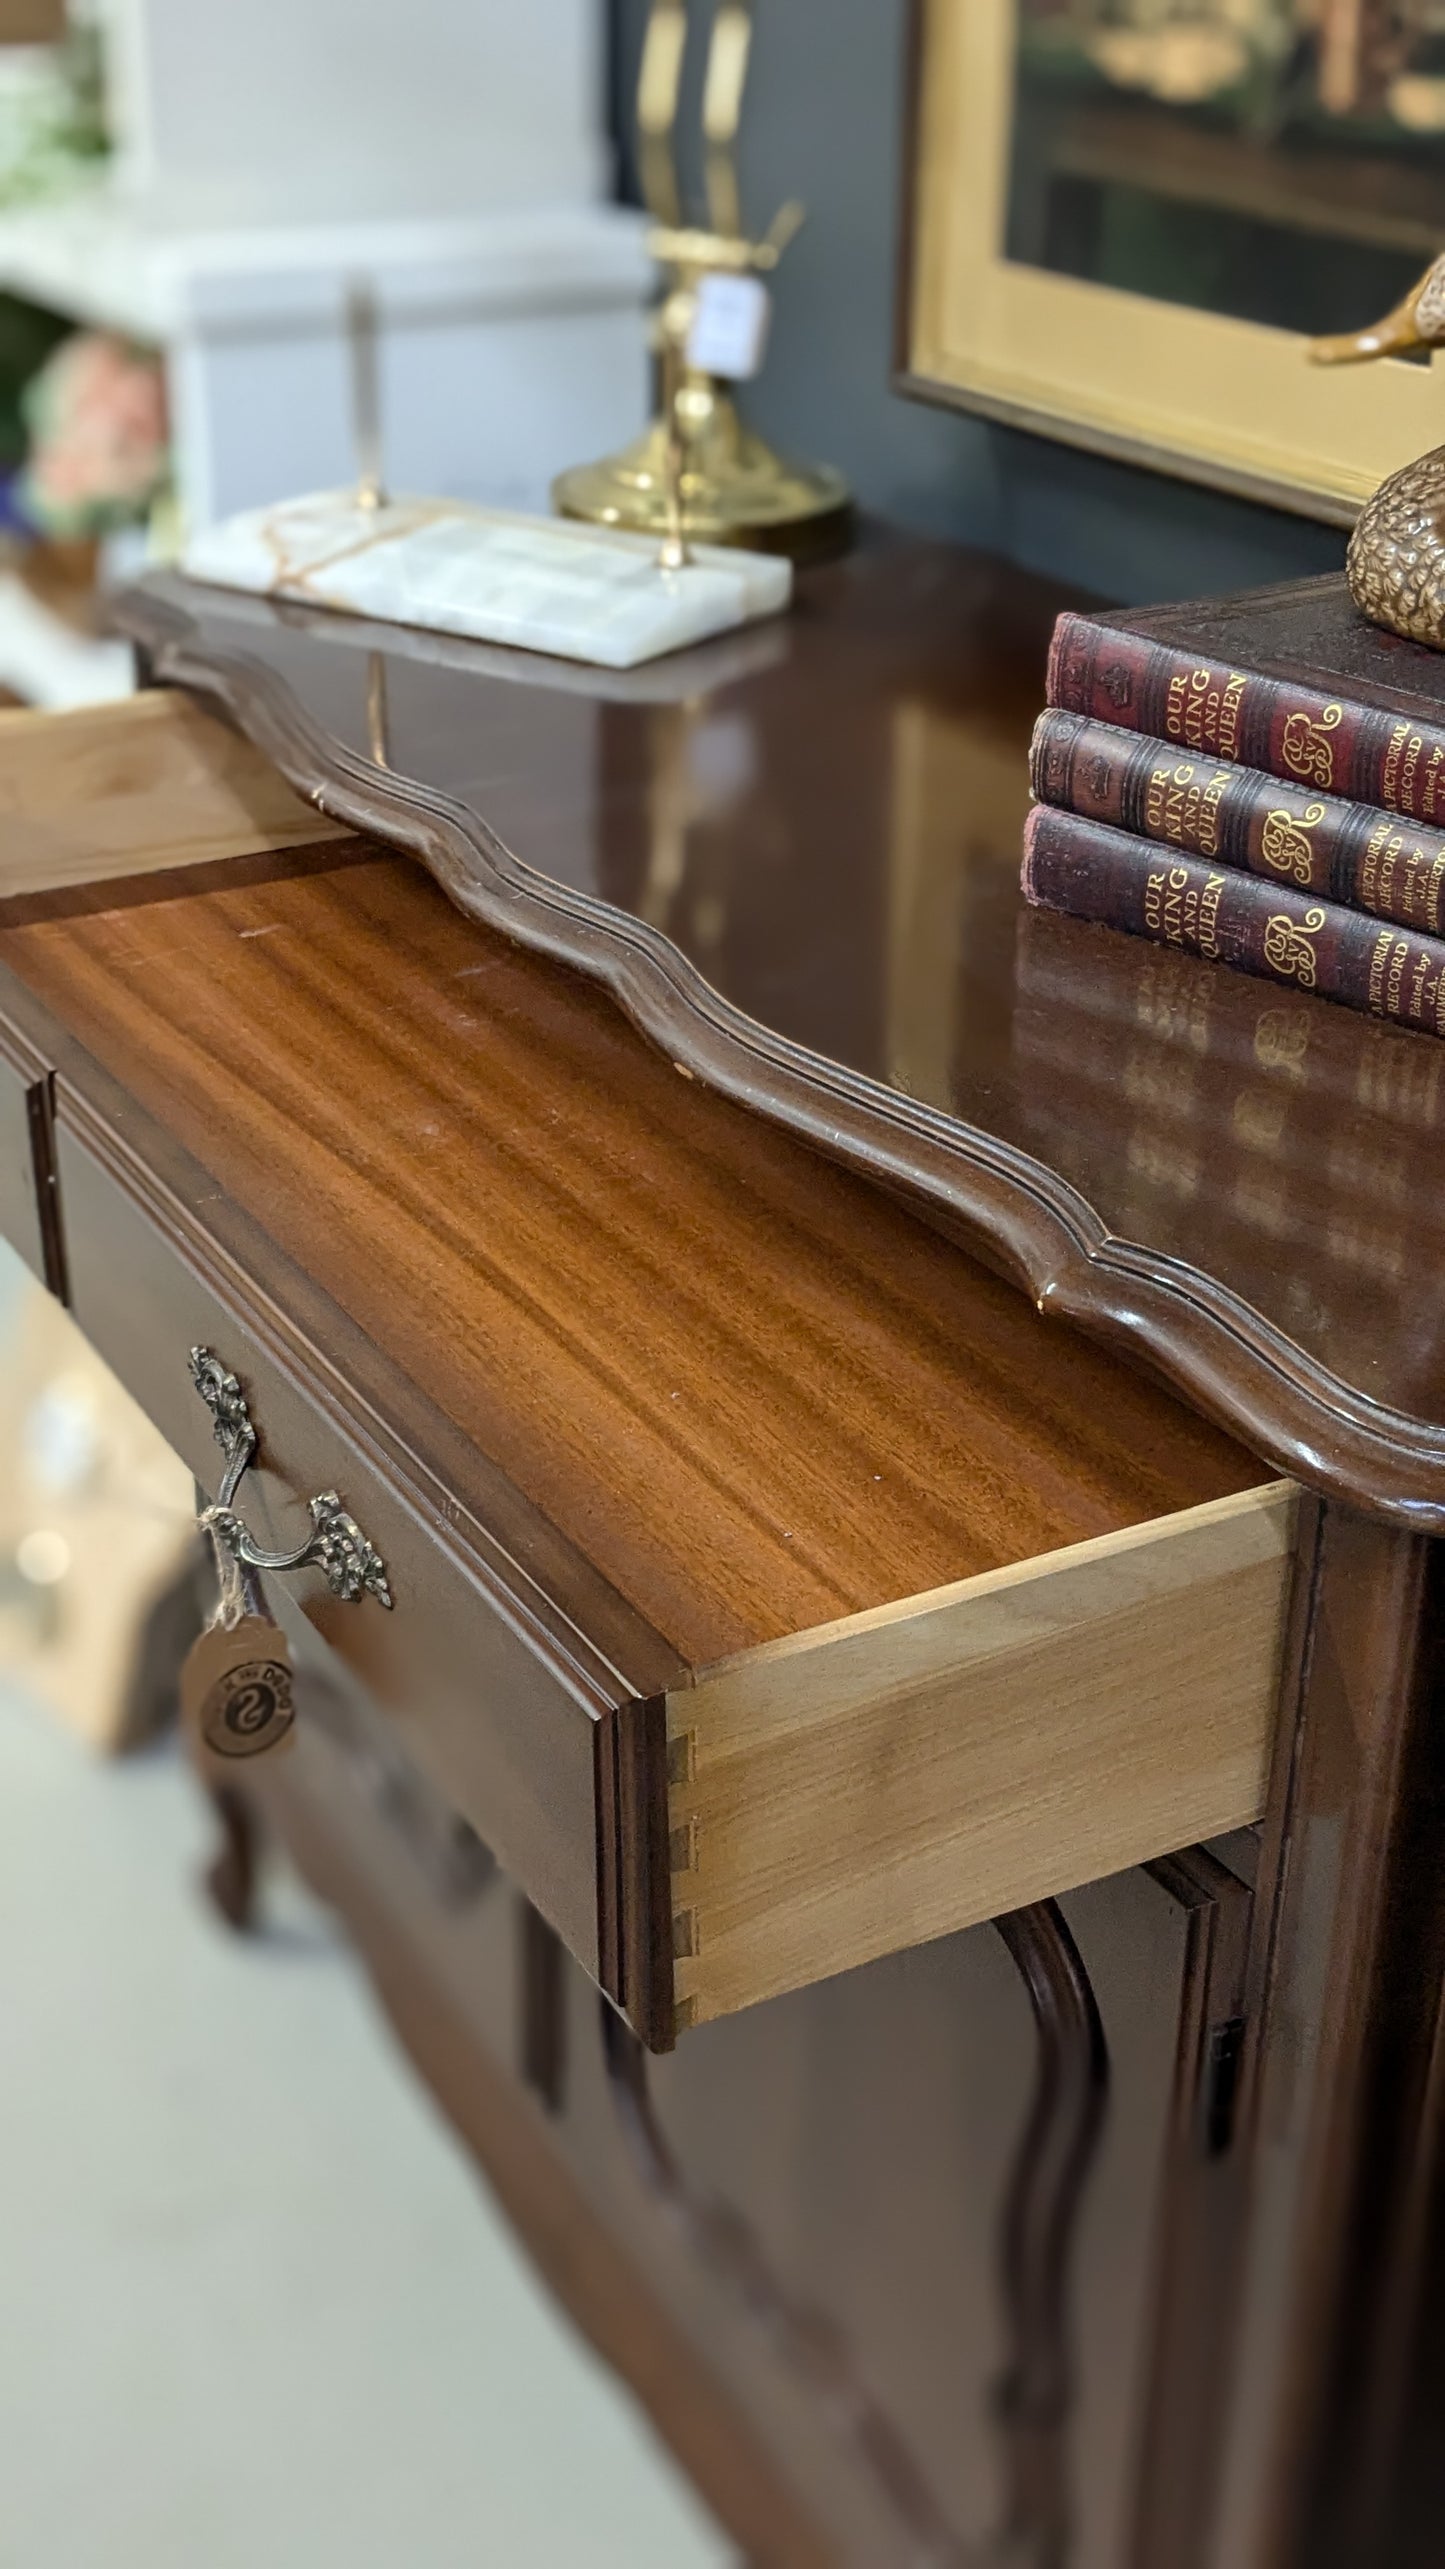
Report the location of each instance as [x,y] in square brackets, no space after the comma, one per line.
[682,1848]
[681,1757]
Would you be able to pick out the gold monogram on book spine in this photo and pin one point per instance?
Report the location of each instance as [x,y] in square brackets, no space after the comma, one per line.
[1285,844]
[1287,947]
[1307,748]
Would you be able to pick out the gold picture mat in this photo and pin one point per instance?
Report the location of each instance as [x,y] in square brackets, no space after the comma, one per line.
[1193,393]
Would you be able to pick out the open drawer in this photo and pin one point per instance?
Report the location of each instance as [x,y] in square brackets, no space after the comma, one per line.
[772,1587]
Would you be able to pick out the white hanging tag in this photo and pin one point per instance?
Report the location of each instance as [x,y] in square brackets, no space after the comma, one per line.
[236,1695]
[729,325]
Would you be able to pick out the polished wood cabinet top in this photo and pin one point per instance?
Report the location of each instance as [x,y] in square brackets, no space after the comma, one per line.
[792,856]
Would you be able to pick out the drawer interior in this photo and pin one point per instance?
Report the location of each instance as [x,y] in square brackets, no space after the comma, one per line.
[756,1393]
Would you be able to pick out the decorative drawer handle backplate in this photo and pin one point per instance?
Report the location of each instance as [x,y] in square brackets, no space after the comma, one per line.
[336,1544]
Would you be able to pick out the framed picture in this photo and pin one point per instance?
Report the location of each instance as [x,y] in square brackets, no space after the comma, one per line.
[1127,218]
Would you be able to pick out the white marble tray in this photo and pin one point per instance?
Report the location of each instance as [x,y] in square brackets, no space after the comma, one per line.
[538,583]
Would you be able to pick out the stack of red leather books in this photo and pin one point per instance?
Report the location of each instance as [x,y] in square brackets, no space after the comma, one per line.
[1259,779]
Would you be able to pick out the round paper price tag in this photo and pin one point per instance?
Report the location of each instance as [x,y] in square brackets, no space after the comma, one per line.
[237,1690]
[249,1710]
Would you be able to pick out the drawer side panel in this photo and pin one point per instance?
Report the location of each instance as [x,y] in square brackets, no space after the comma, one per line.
[905,1774]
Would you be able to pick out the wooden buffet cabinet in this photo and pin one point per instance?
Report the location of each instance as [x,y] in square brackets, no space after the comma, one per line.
[897,1802]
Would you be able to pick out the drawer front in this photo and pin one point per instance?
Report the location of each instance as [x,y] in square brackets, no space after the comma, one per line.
[26,1189]
[508,1732]
[891,1778]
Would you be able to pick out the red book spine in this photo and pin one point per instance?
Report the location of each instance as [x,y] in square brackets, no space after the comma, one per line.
[1288,728]
[1092,872]
[1370,860]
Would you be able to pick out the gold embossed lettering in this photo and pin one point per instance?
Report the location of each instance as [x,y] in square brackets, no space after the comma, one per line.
[1284,843]
[1207,823]
[1176,885]
[1209,901]
[1155,794]
[1307,747]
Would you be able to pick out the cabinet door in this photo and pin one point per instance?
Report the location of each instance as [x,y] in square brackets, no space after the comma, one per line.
[830,2246]
[868,2130]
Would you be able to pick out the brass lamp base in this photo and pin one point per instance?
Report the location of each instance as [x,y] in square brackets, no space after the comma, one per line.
[735,490]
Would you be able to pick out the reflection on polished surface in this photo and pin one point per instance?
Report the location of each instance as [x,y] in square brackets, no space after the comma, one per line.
[824,818]
[1288,1135]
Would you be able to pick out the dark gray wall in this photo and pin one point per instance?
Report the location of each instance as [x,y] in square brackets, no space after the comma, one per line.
[824,121]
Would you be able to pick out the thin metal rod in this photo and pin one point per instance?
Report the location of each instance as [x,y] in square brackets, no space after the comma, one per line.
[722,107]
[363,334]
[658,86]
[378,720]
[675,554]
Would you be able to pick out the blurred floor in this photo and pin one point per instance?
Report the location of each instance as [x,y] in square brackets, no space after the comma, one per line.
[256,2311]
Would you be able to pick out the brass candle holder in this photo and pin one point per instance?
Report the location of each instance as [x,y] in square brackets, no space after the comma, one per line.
[697,474]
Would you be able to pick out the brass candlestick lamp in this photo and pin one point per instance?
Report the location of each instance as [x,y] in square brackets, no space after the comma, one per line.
[731,487]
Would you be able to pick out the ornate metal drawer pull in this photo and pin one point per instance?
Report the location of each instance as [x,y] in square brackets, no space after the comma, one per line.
[336,1544]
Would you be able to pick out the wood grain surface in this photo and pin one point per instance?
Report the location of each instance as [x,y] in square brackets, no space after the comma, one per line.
[754,1392]
[918,1769]
[137,787]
